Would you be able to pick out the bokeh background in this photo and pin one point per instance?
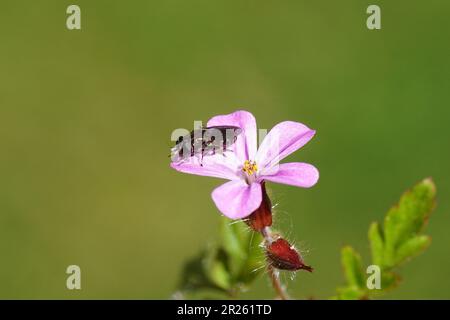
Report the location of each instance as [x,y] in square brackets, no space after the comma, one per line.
[86,118]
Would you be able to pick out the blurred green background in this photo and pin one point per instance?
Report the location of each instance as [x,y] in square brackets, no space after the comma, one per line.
[86,118]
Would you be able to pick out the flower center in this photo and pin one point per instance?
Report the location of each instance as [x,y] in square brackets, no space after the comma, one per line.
[250,167]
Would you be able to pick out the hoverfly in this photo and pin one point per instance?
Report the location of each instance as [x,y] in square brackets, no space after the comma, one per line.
[205,141]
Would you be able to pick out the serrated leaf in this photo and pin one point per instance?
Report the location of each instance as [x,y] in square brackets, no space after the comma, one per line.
[408,218]
[352,264]
[412,248]
[397,241]
[376,244]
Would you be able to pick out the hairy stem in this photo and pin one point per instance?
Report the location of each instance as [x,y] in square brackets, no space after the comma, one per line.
[276,283]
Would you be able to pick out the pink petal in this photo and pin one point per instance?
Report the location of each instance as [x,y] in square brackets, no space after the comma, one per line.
[296,174]
[225,166]
[285,138]
[236,199]
[246,144]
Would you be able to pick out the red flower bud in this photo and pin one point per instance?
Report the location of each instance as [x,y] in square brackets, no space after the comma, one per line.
[262,217]
[285,257]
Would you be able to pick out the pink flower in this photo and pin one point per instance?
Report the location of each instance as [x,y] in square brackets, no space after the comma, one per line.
[247,166]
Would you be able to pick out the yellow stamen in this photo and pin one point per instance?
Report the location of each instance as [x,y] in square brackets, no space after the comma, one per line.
[250,167]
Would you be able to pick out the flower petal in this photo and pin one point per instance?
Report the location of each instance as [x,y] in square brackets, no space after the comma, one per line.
[236,199]
[285,138]
[225,166]
[246,144]
[296,174]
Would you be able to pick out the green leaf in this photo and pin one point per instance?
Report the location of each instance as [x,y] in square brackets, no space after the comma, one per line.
[196,276]
[215,268]
[411,248]
[352,264]
[376,244]
[407,219]
[389,280]
[243,248]
[395,243]
[349,293]
[255,262]
[233,239]
[227,266]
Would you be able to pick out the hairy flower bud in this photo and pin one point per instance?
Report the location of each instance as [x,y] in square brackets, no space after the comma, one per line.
[285,257]
[262,217]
